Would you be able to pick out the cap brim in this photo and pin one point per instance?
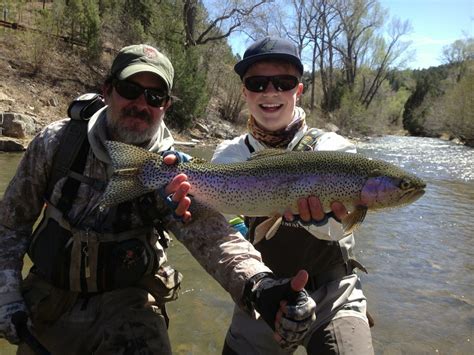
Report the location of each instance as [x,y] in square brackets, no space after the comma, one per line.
[242,66]
[140,68]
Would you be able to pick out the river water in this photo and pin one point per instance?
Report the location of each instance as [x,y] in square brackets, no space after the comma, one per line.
[420,258]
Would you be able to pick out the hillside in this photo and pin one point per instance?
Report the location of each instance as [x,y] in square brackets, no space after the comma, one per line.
[46,91]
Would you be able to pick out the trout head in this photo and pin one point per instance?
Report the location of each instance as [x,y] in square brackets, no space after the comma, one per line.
[382,191]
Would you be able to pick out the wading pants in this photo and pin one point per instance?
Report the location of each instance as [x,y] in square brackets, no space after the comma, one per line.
[124,321]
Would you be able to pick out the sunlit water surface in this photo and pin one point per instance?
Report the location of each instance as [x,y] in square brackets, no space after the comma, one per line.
[419,257]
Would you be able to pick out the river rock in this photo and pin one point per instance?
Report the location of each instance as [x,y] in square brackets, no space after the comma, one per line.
[330,127]
[11,145]
[16,125]
[53,102]
[202,127]
[469,142]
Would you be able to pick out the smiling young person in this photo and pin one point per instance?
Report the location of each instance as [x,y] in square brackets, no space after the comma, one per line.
[271,72]
[99,281]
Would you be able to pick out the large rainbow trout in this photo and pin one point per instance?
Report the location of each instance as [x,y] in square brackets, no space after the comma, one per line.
[270,182]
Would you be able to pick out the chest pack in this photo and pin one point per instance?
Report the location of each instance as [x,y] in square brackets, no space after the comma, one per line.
[81,259]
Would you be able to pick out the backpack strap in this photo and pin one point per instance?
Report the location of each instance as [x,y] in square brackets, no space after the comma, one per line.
[309,140]
[73,149]
[71,186]
[249,146]
[70,145]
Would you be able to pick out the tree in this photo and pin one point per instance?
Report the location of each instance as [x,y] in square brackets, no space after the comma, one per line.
[386,53]
[459,51]
[324,34]
[418,106]
[459,54]
[189,87]
[73,18]
[92,29]
[359,19]
[227,17]
[459,107]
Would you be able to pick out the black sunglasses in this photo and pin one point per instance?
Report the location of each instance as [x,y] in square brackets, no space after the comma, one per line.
[132,91]
[279,82]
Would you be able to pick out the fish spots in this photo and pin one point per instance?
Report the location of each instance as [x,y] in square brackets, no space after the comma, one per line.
[271,182]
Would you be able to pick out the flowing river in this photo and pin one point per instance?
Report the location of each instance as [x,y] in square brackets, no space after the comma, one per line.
[420,258]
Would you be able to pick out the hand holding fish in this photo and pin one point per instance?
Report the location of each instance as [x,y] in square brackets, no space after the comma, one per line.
[178,189]
[311,209]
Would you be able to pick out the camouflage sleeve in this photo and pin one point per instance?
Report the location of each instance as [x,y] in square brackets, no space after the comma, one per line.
[21,205]
[222,252]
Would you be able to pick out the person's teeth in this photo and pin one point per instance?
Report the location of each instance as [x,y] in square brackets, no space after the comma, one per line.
[270,105]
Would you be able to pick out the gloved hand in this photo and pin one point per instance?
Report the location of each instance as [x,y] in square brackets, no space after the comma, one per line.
[7,328]
[284,304]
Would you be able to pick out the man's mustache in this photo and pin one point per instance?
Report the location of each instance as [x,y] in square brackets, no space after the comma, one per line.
[134,112]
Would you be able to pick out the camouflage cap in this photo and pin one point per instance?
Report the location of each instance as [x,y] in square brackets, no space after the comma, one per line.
[142,58]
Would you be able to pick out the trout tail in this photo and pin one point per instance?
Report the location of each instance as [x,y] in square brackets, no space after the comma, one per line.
[125,184]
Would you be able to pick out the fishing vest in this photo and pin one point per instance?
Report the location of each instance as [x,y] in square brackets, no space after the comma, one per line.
[80,259]
[293,248]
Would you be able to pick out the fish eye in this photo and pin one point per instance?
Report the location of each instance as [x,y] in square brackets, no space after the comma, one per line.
[405,184]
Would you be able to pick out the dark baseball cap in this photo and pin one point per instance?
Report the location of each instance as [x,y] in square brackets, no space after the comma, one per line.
[269,48]
[142,58]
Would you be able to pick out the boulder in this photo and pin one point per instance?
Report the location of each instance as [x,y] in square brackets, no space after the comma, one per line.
[330,127]
[11,145]
[16,125]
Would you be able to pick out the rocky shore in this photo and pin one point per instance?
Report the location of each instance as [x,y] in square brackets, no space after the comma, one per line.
[18,129]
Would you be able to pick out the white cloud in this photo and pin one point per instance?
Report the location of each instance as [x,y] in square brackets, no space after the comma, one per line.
[421,40]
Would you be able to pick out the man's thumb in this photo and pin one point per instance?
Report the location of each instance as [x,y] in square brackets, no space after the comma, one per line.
[298,282]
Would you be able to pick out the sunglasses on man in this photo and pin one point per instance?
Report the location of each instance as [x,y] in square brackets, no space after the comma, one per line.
[279,82]
[131,91]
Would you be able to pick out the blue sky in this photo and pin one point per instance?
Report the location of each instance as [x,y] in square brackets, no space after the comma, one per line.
[435,23]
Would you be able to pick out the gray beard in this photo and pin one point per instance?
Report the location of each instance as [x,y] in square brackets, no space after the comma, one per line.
[130,137]
[124,135]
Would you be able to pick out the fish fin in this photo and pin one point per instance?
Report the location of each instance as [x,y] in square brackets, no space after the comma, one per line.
[128,156]
[273,229]
[122,188]
[267,153]
[354,219]
[124,184]
[262,229]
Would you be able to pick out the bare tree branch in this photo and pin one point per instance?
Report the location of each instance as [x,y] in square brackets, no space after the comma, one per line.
[218,28]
